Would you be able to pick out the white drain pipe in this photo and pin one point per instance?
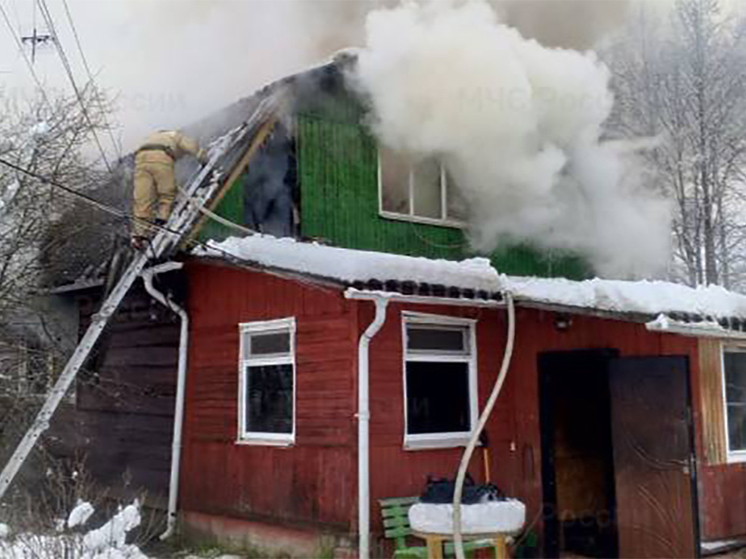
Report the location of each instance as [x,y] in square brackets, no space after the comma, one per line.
[458,542]
[363,417]
[173,487]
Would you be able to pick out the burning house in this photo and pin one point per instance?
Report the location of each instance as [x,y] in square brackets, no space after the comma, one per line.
[343,336]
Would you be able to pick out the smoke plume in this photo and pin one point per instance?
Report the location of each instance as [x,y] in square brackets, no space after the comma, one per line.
[519,126]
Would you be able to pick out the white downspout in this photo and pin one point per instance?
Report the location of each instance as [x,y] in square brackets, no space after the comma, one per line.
[363,416]
[173,487]
[458,543]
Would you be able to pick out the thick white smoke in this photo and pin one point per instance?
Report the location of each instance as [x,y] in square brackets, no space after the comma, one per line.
[519,126]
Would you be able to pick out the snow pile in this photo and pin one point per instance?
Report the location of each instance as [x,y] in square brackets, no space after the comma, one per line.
[113,533]
[106,542]
[80,514]
[646,297]
[519,127]
[350,265]
[481,518]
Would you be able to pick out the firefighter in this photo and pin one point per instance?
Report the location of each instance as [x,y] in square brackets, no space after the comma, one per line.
[155,186]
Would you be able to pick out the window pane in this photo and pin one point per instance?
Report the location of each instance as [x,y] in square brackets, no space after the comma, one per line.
[437,398]
[737,427]
[270,343]
[427,189]
[455,203]
[735,377]
[269,399]
[394,182]
[423,338]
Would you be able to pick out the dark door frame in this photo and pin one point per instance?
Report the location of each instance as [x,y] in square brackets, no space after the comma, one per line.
[546,422]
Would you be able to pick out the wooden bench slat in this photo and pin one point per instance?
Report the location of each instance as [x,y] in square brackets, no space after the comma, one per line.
[398,501]
[398,532]
[396,521]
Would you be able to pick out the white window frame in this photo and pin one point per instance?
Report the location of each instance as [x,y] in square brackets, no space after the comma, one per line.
[443,221]
[734,456]
[245,361]
[441,440]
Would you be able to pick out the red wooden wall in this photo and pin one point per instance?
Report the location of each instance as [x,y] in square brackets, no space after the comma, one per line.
[513,430]
[309,482]
[316,480]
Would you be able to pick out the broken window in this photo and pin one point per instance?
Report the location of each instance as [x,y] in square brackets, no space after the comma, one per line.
[267,387]
[440,381]
[418,189]
[734,378]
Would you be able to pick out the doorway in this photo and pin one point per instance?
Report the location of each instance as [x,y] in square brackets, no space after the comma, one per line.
[577,454]
[618,455]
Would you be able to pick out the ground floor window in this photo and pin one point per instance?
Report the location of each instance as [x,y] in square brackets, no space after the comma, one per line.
[439,380]
[267,382]
[734,392]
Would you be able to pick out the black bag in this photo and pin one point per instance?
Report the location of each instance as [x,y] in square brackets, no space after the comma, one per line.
[440,491]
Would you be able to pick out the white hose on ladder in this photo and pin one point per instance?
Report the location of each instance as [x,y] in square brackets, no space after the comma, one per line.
[458,542]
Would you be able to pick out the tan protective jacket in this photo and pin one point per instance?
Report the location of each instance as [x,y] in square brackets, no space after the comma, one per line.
[177,143]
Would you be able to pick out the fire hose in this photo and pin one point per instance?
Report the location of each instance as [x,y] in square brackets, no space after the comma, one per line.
[458,542]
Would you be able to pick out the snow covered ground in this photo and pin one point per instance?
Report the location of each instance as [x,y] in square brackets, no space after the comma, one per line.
[105,542]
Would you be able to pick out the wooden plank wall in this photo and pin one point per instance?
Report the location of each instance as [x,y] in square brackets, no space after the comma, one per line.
[125,398]
[311,482]
[713,414]
[515,446]
[315,480]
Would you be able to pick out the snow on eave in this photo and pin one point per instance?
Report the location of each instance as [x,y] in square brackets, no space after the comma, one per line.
[644,297]
[349,265]
[629,300]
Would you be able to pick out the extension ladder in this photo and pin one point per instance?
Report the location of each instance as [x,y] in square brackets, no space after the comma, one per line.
[200,191]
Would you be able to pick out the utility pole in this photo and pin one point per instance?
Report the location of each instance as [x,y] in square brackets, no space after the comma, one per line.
[35,39]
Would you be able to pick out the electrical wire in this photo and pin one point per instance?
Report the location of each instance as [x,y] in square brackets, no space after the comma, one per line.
[68,70]
[112,210]
[25,58]
[84,197]
[117,147]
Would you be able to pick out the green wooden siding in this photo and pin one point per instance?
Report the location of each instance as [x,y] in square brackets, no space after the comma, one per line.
[231,207]
[338,173]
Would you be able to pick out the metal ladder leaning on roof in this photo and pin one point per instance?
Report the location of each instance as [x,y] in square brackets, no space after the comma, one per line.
[199,191]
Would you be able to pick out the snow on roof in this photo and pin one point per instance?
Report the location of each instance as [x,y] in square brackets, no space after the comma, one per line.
[645,297]
[349,265]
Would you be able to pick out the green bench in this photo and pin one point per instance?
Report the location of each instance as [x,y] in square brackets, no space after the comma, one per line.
[396,526]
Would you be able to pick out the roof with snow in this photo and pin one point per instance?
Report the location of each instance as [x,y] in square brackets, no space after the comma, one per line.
[84,239]
[472,278]
[476,278]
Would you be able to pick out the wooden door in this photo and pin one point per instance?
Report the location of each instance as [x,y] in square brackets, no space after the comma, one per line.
[653,457]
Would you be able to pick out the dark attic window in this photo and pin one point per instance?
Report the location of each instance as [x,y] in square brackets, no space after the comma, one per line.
[267,383]
[440,381]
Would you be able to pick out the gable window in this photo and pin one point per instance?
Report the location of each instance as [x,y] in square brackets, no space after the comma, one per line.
[734,392]
[418,190]
[440,385]
[267,382]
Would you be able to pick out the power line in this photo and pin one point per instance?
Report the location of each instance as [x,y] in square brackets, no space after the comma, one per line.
[25,58]
[88,199]
[68,70]
[90,75]
[110,209]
